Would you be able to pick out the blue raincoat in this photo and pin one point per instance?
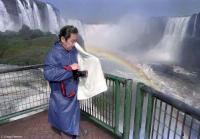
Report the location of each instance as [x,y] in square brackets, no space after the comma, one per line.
[64,110]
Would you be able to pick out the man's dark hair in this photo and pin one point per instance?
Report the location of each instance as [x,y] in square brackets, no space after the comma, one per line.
[66,31]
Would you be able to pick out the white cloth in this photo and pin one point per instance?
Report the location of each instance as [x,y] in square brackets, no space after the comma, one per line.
[95,82]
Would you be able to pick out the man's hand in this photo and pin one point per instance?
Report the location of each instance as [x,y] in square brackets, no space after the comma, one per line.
[74,66]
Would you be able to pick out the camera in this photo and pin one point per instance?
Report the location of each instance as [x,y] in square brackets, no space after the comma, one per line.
[77,74]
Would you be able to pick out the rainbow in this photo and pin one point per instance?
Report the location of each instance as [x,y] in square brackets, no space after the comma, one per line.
[115,57]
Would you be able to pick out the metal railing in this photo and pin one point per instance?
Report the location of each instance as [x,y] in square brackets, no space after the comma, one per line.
[164,116]
[111,109]
[23,90]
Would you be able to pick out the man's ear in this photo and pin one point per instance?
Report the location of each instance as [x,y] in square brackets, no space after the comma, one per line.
[62,39]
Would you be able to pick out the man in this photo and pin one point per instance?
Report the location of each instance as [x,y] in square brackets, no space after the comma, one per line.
[60,68]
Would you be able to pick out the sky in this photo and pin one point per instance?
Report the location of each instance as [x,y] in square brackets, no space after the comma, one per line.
[101,11]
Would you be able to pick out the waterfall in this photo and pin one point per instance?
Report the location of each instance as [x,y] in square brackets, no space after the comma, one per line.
[53,21]
[32,13]
[169,46]
[177,27]
[30,16]
[195,26]
[37,17]
[29,12]
[24,16]
[5,20]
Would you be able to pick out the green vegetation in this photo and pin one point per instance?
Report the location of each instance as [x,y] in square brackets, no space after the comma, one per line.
[26,47]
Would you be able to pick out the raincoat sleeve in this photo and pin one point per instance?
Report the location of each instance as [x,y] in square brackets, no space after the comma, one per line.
[54,72]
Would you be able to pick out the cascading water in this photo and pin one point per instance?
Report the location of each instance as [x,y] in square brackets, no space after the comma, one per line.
[24,17]
[53,22]
[168,48]
[31,14]
[37,17]
[5,21]
[195,24]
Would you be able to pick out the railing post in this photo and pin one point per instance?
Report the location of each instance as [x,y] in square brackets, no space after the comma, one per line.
[149,116]
[117,106]
[138,111]
[127,108]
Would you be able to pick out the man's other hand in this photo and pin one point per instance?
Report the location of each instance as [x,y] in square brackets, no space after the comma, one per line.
[74,66]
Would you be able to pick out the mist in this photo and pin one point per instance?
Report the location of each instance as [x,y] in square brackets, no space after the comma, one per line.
[132,36]
[144,39]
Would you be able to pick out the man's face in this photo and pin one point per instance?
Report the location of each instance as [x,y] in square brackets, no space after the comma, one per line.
[69,43]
